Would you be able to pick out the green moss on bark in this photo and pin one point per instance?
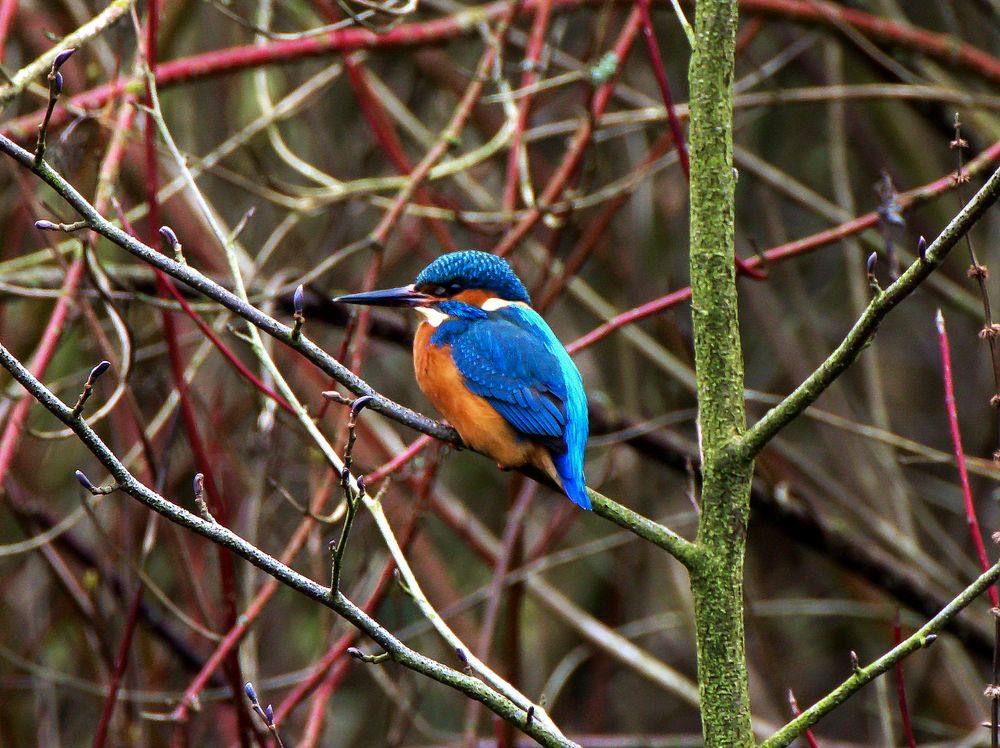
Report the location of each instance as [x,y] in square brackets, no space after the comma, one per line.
[717,580]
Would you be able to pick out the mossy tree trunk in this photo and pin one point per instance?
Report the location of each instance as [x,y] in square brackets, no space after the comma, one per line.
[717,576]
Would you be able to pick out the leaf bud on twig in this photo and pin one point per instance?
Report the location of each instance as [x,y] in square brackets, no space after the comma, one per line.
[61,58]
[85,481]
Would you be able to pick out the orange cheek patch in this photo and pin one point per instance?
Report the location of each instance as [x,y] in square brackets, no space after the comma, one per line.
[474,297]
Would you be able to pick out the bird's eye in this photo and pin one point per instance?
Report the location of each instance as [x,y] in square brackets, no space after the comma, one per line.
[441,291]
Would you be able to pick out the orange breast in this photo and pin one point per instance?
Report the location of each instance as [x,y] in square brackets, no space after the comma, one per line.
[480,426]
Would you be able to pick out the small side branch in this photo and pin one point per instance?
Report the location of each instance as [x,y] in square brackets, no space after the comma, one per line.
[685,551]
[183,272]
[923,637]
[88,387]
[542,731]
[266,714]
[85,33]
[299,316]
[354,498]
[55,80]
[757,437]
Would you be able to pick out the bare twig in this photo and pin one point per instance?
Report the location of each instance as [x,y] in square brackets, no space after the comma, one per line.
[761,432]
[225,538]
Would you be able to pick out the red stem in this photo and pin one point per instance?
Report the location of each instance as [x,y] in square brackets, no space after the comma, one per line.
[121,660]
[581,139]
[794,705]
[943,47]
[747,34]
[39,363]
[790,249]
[664,85]
[382,127]
[331,679]
[675,123]
[904,712]
[204,463]
[331,670]
[53,330]
[956,440]
[7,10]
[312,733]
[452,131]
[236,633]
[42,356]
[532,56]
[209,333]
[416,447]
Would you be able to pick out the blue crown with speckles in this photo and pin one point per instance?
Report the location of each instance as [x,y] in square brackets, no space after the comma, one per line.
[478,270]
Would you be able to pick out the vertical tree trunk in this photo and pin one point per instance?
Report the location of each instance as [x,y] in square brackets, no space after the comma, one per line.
[717,577]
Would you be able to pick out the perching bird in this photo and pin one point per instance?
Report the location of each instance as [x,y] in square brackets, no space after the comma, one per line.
[491,365]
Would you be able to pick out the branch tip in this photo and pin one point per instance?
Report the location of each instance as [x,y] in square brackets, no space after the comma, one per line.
[91,488]
[357,654]
[55,79]
[98,370]
[298,309]
[88,387]
[85,481]
[248,689]
[171,244]
[68,228]
[855,663]
[198,485]
[169,238]
[61,58]
[358,405]
[266,714]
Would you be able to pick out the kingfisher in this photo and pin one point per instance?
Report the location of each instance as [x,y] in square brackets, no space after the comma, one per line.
[493,367]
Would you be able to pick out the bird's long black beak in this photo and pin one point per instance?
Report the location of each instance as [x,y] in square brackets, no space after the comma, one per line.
[402,296]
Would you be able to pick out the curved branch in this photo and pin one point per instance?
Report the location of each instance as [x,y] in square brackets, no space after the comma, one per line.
[35,69]
[864,675]
[222,536]
[233,59]
[757,437]
[683,550]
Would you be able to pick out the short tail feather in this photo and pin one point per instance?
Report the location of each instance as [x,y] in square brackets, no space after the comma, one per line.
[572,482]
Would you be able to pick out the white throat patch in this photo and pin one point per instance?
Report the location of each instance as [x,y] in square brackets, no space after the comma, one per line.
[432,316]
[494,303]
[435,317]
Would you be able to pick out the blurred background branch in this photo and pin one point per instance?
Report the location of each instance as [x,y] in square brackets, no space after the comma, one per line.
[304,133]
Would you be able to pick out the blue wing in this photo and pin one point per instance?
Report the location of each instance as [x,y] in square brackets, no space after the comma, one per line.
[514,370]
[513,360]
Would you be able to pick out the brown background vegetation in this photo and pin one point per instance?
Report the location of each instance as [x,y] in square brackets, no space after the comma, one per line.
[858,514]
